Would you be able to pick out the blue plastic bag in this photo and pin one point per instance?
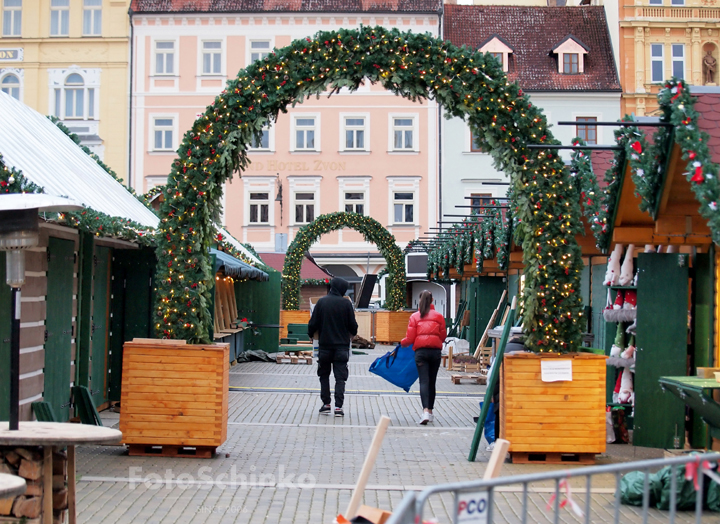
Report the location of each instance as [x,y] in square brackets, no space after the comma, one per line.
[489,428]
[397,367]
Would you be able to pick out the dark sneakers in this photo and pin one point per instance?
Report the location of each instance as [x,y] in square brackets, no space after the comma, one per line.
[339,412]
[325,410]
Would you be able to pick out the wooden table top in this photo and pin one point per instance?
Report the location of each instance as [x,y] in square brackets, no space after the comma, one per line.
[57,434]
[11,486]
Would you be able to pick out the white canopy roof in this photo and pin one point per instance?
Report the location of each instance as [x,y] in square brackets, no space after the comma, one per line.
[31,143]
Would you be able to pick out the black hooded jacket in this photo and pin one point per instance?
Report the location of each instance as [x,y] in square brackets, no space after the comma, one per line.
[334,318]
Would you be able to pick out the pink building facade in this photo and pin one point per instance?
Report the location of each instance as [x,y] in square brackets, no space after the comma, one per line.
[369,152]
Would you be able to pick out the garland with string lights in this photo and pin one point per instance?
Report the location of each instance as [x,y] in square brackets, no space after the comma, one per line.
[371,230]
[13,181]
[678,107]
[586,184]
[633,143]
[469,85]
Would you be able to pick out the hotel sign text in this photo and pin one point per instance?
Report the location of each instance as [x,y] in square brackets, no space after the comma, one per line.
[11,54]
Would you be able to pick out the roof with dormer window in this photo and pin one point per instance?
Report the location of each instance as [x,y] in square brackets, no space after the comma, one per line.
[495,37]
[572,38]
[533,32]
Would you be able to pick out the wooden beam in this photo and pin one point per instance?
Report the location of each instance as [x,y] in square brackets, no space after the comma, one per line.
[682,225]
[633,235]
[516,256]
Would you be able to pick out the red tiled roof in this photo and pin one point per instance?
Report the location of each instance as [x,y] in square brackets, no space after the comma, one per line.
[533,32]
[708,105]
[309,6]
[309,269]
[601,162]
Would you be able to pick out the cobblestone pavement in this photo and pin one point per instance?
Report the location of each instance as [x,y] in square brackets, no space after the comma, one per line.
[284,463]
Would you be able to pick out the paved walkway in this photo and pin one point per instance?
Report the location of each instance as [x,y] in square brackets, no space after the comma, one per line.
[284,463]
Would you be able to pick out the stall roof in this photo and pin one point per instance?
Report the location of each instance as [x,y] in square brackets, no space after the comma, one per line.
[31,143]
[237,268]
[237,245]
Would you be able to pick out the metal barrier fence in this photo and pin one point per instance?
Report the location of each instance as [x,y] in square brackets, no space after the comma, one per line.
[474,502]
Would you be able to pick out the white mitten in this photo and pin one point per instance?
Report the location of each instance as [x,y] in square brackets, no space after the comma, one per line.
[626,271]
[612,275]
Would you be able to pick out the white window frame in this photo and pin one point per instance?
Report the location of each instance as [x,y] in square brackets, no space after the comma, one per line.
[156,52]
[258,184]
[391,132]
[259,204]
[14,14]
[655,2]
[404,202]
[91,81]
[677,60]
[57,14]
[316,135]
[94,14]
[271,142]
[250,50]
[18,74]
[154,117]
[296,202]
[657,59]
[212,52]
[90,96]
[351,202]
[344,128]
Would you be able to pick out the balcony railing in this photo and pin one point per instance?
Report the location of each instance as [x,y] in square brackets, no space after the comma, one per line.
[678,13]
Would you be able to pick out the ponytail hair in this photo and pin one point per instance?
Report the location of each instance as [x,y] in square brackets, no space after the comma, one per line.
[426,299]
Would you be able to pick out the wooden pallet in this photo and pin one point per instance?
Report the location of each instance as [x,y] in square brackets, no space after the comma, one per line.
[524,457]
[150,450]
[478,379]
[295,357]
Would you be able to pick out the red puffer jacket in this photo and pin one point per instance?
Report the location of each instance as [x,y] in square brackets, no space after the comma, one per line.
[426,332]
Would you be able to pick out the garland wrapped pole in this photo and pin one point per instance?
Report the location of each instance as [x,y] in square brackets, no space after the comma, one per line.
[370,229]
[415,66]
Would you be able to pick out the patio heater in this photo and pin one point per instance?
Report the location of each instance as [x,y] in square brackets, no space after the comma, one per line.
[19,226]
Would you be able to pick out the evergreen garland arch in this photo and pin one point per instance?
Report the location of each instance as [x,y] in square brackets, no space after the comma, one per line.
[468,84]
[371,230]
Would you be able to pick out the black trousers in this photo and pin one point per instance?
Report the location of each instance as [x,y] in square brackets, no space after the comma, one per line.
[337,361]
[428,364]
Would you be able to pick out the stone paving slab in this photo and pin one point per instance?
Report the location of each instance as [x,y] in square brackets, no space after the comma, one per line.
[284,463]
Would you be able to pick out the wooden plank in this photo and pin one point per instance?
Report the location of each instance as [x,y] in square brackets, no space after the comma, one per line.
[140,410]
[170,389]
[171,368]
[577,418]
[170,441]
[179,382]
[179,427]
[150,417]
[548,433]
[143,400]
[173,397]
[135,358]
[160,373]
[552,458]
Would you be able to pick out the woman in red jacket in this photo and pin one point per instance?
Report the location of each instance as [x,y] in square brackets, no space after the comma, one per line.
[426,332]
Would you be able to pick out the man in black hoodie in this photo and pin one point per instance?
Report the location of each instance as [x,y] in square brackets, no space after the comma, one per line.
[333,319]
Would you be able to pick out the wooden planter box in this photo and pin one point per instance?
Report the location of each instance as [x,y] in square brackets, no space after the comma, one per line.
[391,326]
[546,421]
[292,317]
[174,396]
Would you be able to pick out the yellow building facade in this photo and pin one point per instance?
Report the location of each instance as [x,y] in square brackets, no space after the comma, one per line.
[69,58]
[660,39]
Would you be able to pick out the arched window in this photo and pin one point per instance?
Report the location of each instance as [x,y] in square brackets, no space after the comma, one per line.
[75,100]
[11,85]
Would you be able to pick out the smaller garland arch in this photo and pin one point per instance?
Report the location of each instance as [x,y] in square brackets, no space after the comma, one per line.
[371,230]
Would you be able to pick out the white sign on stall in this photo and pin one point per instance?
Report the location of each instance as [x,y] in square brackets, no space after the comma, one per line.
[553,370]
[472,508]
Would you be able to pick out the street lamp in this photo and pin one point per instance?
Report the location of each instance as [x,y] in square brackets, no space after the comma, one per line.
[19,226]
